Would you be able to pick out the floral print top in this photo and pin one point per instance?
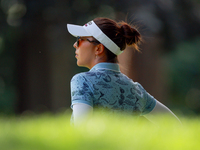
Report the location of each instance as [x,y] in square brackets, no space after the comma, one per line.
[104,86]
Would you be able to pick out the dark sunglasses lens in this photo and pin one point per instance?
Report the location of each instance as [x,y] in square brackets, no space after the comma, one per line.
[77,41]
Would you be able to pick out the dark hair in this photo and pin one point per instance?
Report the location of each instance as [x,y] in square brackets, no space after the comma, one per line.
[121,33]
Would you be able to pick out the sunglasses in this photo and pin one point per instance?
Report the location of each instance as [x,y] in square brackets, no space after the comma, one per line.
[79,38]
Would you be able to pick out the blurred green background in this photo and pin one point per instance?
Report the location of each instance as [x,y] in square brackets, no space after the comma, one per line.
[37,56]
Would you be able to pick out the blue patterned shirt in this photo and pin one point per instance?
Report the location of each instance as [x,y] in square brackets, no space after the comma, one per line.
[104,86]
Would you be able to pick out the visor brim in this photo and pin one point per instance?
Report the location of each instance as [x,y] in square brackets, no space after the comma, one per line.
[77,30]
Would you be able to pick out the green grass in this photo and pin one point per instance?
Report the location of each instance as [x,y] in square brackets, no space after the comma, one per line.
[54,132]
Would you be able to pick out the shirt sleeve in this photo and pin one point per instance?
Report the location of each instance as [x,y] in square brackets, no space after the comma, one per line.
[150,103]
[147,102]
[81,91]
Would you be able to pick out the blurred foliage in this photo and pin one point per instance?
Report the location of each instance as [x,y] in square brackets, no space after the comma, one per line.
[172,21]
[101,132]
[10,15]
[184,64]
[8,58]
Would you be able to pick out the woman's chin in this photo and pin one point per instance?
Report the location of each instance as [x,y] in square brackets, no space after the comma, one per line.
[79,64]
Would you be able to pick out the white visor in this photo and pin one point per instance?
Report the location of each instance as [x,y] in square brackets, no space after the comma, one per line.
[91,29]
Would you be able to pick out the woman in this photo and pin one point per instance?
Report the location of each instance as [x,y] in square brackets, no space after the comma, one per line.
[104,86]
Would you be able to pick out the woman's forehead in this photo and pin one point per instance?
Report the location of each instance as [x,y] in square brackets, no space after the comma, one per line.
[86,36]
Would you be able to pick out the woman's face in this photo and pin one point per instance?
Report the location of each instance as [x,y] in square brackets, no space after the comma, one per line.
[85,52]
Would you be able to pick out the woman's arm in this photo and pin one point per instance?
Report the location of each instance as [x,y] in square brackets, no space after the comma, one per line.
[81,112]
[160,109]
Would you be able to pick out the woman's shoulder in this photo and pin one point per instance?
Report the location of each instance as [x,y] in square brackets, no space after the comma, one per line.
[79,76]
[87,75]
[84,76]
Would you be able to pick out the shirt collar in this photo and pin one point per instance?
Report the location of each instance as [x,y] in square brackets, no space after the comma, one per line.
[107,66]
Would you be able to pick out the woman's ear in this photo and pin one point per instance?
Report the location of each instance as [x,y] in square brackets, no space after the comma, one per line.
[99,49]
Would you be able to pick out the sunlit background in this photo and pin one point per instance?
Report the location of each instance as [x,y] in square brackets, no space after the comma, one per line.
[37,56]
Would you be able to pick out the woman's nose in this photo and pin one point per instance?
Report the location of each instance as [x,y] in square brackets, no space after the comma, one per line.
[75,45]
